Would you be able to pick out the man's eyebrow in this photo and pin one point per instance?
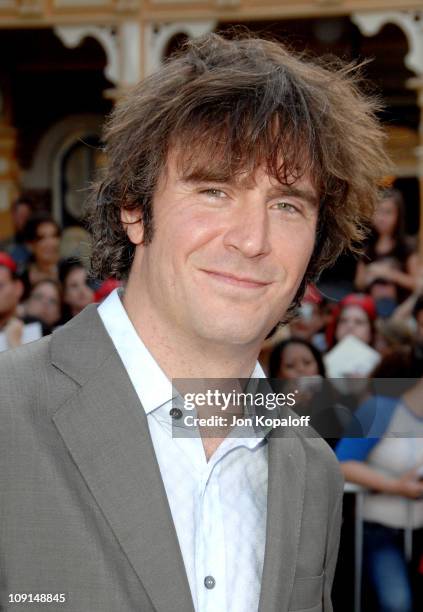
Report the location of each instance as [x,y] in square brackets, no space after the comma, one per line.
[290,190]
[205,177]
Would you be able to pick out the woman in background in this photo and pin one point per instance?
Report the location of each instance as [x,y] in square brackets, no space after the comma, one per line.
[77,292]
[45,302]
[389,256]
[43,236]
[300,364]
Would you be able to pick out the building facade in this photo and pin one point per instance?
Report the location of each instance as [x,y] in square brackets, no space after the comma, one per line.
[64,62]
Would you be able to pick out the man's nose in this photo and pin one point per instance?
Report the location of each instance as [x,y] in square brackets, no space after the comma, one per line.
[248,229]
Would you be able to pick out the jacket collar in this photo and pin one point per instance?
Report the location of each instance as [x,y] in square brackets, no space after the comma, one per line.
[106,432]
[80,347]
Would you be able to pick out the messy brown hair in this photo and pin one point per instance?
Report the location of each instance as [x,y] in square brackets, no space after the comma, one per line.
[230,106]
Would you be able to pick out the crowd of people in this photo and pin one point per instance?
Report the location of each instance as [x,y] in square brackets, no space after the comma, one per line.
[381,447]
[37,284]
[385,312]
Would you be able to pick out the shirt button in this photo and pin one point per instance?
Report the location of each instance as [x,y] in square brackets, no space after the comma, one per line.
[175,413]
[209,582]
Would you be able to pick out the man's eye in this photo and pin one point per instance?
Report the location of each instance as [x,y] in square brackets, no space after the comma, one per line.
[286,206]
[213,193]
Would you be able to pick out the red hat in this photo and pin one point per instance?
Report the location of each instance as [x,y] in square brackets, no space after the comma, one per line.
[361,300]
[8,262]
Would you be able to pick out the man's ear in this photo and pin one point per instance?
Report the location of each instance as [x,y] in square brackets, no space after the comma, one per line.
[132,224]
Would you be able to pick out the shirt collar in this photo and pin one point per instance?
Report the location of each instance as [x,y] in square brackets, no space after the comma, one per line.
[151,384]
[153,387]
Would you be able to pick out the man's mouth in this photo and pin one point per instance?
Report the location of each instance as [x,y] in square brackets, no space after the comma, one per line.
[237,280]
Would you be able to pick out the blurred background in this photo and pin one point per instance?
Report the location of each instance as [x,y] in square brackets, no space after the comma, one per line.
[63,65]
[64,62]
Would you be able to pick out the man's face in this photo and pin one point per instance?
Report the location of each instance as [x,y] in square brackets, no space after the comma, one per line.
[10,292]
[226,259]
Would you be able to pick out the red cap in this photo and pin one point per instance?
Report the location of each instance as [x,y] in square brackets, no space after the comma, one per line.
[8,262]
[363,301]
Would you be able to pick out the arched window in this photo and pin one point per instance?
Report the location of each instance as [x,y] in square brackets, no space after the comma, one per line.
[77,169]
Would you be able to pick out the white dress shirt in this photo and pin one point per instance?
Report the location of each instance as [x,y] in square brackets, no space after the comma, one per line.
[218,506]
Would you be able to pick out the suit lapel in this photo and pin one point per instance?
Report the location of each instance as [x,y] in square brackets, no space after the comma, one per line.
[105,429]
[284,514]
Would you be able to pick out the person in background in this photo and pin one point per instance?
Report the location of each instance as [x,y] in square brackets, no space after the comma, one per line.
[310,320]
[77,292]
[389,255]
[411,310]
[12,319]
[298,361]
[295,357]
[11,290]
[355,315]
[385,294]
[417,314]
[43,235]
[45,302]
[388,462]
[392,335]
[21,210]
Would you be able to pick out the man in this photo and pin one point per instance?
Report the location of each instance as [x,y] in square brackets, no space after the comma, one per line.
[234,175]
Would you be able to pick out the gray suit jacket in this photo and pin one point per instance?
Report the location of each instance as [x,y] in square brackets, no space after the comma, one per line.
[83,510]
